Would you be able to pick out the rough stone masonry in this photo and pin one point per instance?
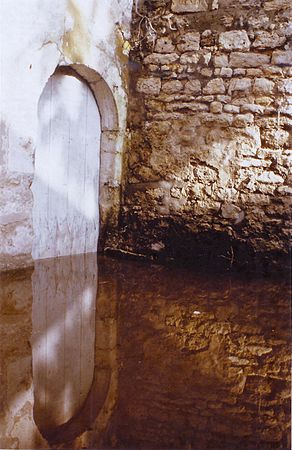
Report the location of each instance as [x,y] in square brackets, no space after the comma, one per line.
[210,116]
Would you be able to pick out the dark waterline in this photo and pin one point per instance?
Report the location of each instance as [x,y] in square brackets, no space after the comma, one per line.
[133,355]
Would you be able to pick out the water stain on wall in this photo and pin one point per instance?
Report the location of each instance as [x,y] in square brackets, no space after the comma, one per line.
[76,41]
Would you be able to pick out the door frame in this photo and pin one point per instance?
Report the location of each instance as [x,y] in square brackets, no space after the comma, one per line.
[111,154]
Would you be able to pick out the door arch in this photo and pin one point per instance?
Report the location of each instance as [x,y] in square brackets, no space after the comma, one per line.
[88,104]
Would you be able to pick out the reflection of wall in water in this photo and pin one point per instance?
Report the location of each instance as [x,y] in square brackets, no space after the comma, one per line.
[17,427]
[205,360]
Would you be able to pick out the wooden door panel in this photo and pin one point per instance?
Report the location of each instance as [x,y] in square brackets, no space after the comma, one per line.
[65,213]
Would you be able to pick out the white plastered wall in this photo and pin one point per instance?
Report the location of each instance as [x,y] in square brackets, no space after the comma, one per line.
[36,37]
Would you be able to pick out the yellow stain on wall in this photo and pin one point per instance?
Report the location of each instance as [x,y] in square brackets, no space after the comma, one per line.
[76,42]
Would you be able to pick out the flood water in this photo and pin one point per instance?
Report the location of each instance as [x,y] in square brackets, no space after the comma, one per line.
[133,355]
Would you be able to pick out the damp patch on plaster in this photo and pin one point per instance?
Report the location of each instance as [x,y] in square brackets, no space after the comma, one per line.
[76,42]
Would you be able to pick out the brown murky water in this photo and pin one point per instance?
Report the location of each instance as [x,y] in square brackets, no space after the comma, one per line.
[129,355]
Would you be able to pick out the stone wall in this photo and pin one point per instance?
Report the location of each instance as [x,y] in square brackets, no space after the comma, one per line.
[210,116]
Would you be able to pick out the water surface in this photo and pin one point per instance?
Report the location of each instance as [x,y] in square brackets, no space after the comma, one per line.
[132,355]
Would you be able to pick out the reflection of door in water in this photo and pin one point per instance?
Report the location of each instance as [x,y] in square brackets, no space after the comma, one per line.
[63,316]
[65,214]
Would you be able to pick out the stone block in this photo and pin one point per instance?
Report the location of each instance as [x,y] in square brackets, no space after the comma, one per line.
[282,58]
[285,190]
[215,86]
[170,87]
[189,6]
[270,177]
[254,162]
[240,59]
[226,72]
[232,109]
[166,68]
[189,42]
[164,45]
[264,39]
[216,107]
[287,110]
[234,40]
[189,69]
[206,98]
[150,86]
[153,68]
[263,86]
[276,5]
[220,61]
[259,350]
[223,98]
[242,100]
[252,108]
[285,86]
[239,84]
[158,58]
[274,71]
[189,58]
[239,72]
[243,120]
[206,72]
[221,120]
[230,211]
[254,73]
[193,87]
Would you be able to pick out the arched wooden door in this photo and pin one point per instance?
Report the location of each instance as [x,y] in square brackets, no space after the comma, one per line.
[67,159]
